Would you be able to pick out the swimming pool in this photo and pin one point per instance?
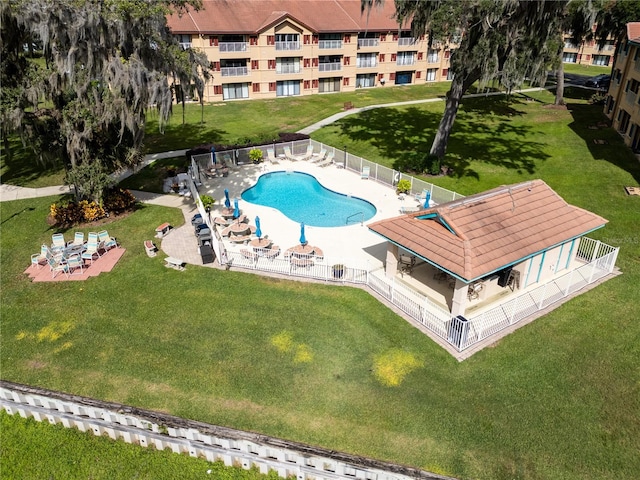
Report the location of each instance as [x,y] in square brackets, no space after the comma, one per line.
[302,198]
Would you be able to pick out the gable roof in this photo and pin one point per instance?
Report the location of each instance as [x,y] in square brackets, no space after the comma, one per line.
[254,16]
[633,32]
[483,233]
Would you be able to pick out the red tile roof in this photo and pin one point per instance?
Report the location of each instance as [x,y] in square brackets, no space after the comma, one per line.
[633,32]
[490,230]
[253,16]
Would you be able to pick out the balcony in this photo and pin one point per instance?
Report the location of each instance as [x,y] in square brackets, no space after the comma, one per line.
[233,46]
[185,45]
[283,68]
[368,42]
[233,71]
[406,41]
[324,44]
[368,63]
[405,61]
[329,67]
[288,45]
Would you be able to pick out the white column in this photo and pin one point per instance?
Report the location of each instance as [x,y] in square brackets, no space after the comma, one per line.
[392,260]
[459,302]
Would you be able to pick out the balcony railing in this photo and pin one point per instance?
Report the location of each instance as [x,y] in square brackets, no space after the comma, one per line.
[405,61]
[432,59]
[368,63]
[404,41]
[330,44]
[233,71]
[288,68]
[368,42]
[287,45]
[185,45]
[233,46]
[329,67]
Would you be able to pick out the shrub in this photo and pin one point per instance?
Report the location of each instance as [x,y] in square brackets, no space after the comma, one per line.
[118,200]
[207,201]
[66,215]
[91,211]
[404,186]
[255,154]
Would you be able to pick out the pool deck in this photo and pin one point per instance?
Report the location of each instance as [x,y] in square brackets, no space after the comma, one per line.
[351,243]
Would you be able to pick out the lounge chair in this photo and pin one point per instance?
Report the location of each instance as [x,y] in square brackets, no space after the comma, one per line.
[365,172]
[288,155]
[271,156]
[327,161]
[318,157]
[306,155]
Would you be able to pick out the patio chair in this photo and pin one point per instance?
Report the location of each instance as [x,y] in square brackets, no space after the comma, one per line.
[93,248]
[365,172]
[106,240]
[78,240]
[42,258]
[318,157]
[57,266]
[73,263]
[406,263]
[327,161]
[306,155]
[58,243]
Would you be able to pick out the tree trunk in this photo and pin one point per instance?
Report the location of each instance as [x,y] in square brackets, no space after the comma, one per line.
[560,83]
[454,95]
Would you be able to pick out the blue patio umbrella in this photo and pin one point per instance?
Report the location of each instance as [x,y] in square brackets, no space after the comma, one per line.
[227,202]
[236,209]
[427,197]
[303,239]
[258,231]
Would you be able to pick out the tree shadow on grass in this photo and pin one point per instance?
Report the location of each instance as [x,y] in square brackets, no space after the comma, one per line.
[604,142]
[177,136]
[483,132]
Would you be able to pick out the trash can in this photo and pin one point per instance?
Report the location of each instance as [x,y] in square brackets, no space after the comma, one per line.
[206,252]
[458,332]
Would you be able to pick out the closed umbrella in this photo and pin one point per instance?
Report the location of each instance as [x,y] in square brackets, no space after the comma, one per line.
[427,197]
[236,209]
[303,240]
[227,202]
[258,231]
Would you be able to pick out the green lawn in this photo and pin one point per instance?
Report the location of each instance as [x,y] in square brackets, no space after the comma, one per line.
[331,366]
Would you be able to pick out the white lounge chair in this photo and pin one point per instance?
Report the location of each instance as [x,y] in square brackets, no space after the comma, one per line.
[318,157]
[365,172]
[288,155]
[271,156]
[306,155]
[327,161]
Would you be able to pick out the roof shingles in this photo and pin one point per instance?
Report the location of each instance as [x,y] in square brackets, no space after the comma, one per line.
[493,229]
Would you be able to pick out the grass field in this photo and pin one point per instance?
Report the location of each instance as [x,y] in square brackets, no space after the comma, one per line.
[332,366]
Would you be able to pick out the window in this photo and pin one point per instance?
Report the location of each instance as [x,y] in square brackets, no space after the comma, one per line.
[406,58]
[432,56]
[404,78]
[329,85]
[331,63]
[288,88]
[288,65]
[366,60]
[431,74]
[365,80]
[624,118]
[602,60]
[569,57]
[184,41]
[232,91]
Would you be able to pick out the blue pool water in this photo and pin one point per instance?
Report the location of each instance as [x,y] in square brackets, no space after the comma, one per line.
[302,198]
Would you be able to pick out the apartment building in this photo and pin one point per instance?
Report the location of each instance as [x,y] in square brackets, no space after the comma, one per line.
[622,104]
[588,53]
[279,48]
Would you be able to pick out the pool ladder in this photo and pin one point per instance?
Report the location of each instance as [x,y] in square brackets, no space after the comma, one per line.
[354,215]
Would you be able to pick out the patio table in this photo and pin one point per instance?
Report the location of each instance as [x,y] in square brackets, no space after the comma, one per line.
[238,228]
[303,250]
[260,243]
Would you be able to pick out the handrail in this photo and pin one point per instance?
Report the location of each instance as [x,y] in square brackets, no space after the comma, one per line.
[361,218]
